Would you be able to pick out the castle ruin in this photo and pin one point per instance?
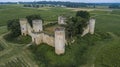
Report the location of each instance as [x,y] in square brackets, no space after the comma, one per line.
[39,36]
[57,40]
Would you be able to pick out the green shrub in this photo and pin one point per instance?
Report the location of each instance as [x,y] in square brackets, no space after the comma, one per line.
[14,27]
[21,39]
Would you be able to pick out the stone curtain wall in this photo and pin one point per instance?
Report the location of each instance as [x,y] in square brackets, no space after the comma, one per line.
[43,38]
[37,38]
[48,39]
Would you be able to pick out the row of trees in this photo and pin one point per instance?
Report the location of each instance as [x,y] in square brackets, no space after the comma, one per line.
[38,5]
[56,3]
[31,5]
[114,6]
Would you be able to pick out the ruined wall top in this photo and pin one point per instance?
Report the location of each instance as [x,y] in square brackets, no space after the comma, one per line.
[23,21]
[60,29]
[92,19]
[36,22]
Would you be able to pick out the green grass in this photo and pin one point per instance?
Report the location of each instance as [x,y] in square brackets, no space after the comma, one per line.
[20,40]
[3,29]
[17,62]
[75,53]
[11,12]
[108,23]
[86,51]
[109,56]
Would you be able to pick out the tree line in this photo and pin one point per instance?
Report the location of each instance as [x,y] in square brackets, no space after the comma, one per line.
[113,6]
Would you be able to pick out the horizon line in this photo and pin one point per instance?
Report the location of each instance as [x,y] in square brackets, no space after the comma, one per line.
[58,1]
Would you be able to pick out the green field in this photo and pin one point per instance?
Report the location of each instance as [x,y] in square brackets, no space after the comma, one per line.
[11,12]
[99,50]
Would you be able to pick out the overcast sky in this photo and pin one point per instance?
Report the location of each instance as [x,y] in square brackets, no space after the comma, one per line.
[86,1]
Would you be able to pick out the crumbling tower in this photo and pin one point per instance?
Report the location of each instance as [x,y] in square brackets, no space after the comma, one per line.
[23,25]
[37,31]
[91,26]
[61,20]
[37,25]
[60,40]
[86,30]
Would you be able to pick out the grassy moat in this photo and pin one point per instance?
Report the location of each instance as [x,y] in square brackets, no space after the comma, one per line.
[99,50]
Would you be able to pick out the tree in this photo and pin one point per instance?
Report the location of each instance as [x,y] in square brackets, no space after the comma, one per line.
[83,14]
[14,27]
[75,26]
[32,17]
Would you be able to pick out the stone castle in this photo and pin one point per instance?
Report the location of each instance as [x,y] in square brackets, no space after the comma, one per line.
[57,40]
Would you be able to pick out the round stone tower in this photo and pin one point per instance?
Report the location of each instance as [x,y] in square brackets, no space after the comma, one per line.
[60,40]
[92,26]
[37,25]
[23,25]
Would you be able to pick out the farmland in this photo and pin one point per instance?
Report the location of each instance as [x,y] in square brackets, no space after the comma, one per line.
[99,49]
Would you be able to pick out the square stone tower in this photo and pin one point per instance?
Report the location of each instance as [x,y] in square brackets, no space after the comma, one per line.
[61,20]
[37,25]
[23,25]
[60,40]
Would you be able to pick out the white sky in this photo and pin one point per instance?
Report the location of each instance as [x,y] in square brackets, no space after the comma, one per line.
[86,1]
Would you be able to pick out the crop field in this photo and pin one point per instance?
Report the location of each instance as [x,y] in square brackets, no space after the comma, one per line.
[12,12]
[105,41]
